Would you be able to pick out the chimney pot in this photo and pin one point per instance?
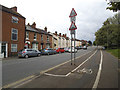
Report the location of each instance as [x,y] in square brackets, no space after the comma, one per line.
[45,29]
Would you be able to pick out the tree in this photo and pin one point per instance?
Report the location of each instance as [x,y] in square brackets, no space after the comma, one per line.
[114,5]
[108,34]
[94,43]
[90,43]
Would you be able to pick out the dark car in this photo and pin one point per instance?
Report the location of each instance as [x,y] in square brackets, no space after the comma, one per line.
[48,51]
[28,53]
[60,50]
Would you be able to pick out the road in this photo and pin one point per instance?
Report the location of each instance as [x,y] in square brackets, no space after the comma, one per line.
[93,69]
[14,70]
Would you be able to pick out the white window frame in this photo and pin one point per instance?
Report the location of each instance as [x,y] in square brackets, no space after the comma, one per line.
[13,48]
[27,35]
[35,36]
[14,33]
[14,19]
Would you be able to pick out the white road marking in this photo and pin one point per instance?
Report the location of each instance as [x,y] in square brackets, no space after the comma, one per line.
[98,74]
[81,64]
[72,70]
[55,75]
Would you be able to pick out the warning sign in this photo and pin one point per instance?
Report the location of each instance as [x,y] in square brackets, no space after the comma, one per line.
[73,13]
[73,26]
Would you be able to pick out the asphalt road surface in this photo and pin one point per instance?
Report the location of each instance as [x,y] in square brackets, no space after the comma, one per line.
[17,69]
[93,69]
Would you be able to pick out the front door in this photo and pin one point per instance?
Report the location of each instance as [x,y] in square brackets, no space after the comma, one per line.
[3,49]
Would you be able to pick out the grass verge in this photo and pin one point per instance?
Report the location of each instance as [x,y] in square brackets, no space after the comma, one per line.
[115,52]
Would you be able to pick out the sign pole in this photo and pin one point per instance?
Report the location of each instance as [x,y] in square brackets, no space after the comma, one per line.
[74,49]
[71,47]
[72,29]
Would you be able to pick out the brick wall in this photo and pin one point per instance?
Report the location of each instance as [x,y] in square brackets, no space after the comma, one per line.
[7,25]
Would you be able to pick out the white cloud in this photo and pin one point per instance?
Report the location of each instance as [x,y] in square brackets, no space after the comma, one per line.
[55,14]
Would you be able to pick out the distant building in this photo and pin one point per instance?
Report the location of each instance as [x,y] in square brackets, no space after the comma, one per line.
[12,31]
[37,38]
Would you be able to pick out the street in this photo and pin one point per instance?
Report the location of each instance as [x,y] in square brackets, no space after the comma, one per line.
[83,75]
[17,69]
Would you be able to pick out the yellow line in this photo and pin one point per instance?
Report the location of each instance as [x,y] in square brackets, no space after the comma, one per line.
[12,84]
[27,78]
[61,64]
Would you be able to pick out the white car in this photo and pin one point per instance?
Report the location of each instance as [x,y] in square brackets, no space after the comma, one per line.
[72,50]
[84,47]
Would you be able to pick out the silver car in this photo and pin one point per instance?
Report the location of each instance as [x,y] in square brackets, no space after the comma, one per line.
[28,53]
[48,51]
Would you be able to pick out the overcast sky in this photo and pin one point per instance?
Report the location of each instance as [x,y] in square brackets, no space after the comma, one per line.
[54,14]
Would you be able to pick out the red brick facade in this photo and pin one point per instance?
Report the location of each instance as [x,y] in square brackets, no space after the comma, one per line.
[7,25]
[30,40]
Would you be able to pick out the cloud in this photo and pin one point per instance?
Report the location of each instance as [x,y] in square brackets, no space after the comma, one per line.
[55,14]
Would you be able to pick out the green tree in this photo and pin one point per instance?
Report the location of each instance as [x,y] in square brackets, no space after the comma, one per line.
[108,34]
[114,5]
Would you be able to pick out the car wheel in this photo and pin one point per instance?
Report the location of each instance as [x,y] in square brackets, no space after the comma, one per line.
[26,56]
[39,55]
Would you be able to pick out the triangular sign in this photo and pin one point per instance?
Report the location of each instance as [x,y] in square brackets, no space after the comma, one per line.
[73,13]
[73,26]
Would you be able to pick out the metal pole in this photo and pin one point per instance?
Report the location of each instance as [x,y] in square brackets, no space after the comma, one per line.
[74,48]
[71,47]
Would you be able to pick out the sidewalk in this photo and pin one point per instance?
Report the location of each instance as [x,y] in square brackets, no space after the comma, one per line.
[9,58]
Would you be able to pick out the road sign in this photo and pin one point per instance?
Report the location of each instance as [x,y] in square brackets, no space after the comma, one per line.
[73,13]
[72,19]
[73,26]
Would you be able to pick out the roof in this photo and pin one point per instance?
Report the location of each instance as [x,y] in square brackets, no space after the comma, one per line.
[9,10]
[37,30]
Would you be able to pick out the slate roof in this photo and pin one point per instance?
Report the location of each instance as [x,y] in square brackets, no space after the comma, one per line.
[9,10]
[37,30]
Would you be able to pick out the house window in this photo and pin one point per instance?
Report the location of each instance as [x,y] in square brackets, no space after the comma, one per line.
[47,38]
[14,34]
[13,47]
[35,36]
[14,19]
[27,35]
[41,37]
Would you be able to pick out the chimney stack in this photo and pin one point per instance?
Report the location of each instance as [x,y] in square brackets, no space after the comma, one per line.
[45,29]
[60,34]
[34,25]
[28,24]
[56,33]
[65,35]
[14,8]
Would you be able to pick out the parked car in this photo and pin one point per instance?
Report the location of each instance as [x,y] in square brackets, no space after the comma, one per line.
[72,50]
[48,51]
[84,47]
[66,49]
[60,50]
[28,53]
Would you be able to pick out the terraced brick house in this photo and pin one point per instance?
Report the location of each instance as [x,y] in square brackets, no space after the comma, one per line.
[12,30]
[37,38]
